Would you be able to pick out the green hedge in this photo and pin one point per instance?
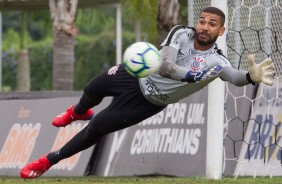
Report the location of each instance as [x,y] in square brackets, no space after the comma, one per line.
[92,56]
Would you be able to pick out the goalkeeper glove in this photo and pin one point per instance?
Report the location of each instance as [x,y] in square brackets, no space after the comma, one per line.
[262,72]
[194,77]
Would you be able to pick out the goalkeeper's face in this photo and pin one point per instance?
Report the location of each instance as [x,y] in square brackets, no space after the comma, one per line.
[208,28]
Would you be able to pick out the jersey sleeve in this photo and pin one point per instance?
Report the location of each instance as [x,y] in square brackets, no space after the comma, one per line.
[224,61]
[177,36]
[236,77]
[220,59]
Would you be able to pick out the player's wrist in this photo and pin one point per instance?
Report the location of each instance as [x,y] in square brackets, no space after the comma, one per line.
[188,77]
[249,79]
[193,77]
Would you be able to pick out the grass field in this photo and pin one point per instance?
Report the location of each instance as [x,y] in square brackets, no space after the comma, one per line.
[137,180]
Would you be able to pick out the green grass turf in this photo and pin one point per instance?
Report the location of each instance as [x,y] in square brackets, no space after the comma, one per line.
[138,180]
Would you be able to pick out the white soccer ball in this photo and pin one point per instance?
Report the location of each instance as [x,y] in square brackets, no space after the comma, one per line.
[141,59]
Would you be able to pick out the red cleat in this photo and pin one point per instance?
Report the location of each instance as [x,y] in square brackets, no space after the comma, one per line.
[36,168]
[69,116]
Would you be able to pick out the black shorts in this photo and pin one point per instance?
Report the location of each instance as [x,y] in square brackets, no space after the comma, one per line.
[129,106]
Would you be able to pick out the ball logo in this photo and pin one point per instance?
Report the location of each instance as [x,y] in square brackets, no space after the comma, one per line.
[196,64]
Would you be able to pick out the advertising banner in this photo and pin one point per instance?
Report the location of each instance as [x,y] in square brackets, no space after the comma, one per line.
[172,142]
[27,134]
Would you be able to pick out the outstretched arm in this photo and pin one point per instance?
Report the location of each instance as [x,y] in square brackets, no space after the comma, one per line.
[263,72]
[236,77]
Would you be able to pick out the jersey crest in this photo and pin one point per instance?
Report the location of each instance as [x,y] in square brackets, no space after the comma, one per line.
[196,64]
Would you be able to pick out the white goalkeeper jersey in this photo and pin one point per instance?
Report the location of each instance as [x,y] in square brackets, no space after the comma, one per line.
[163,91]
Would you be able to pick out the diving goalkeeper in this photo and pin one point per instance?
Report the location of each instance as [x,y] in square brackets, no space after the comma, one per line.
[190,61]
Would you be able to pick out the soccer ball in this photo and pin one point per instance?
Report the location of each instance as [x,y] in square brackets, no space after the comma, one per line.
[141,59]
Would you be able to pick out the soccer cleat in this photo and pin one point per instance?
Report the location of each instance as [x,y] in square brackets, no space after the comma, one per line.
[36,168]
[69,116]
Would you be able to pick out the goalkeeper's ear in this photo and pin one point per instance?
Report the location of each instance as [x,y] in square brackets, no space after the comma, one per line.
[221,31]
[262,72]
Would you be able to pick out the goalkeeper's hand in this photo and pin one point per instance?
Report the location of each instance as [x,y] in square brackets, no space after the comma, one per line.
[203,75]
[262,72]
